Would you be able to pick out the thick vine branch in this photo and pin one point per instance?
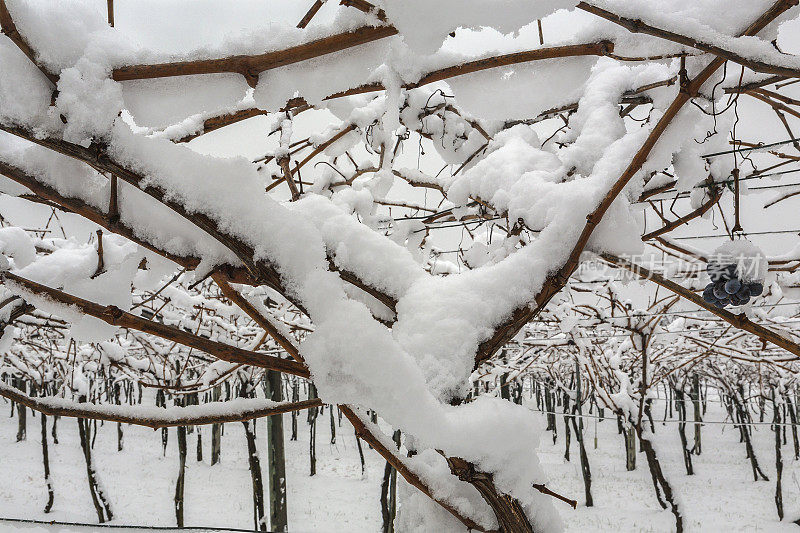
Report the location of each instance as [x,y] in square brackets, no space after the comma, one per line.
[10,30]
[369,435]
[299,103]
[559,278]
[739,321]
[251,65]
[117,317]
[79,207]
[639,26]
[259,272]
[157,417]
[700,211]
[601,48]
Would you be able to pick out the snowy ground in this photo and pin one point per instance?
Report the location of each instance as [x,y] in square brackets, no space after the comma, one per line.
[721,496]
[13,527]
[140,481]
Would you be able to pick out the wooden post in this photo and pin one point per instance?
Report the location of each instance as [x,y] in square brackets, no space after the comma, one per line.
[276,458]
[179,485]
[578,427]
[101,503]
[46,461]
[312,431]
[259,519]
[776,420]
[216,431]
[295,398]
[680,406]
[630,448]
[388,492]
[698,417]
[22,415]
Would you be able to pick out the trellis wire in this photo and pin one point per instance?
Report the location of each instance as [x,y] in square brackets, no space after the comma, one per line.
[681,313]
[189,529]
[685,194]
[752,148]
[773,232]
[666,332]
[695,422]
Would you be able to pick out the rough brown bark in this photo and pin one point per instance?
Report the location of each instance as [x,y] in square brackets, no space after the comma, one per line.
[658,477]
[776,428]
[181,481]
[116,316]
[698,417]
[98,414]
[101,503]
[508,511]
[259,519]
[251,66]
[681,409]
[278,515]
[46,461]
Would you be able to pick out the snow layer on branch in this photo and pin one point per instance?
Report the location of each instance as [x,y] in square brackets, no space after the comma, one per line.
[169,415]
[58,31]
[424,24]
[63,31]
[15,243]
[353,358]
[715,22]
[597,122]
[71,267]
[524,90]
[354,247]
[7,339]
[317,78]
[24,91]
[231,192]
[186,25]
[518,175]
[89,100]
[164,101]
[150,221]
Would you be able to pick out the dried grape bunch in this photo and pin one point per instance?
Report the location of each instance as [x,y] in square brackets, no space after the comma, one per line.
[728,287]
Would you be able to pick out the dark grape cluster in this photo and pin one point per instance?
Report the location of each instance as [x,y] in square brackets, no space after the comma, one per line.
[727,289]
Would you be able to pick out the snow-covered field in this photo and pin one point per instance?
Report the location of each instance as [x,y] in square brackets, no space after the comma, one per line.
[141,482]
[721,496]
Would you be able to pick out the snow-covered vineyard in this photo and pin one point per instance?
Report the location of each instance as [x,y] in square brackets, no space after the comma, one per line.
[399,265]
[720,496]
